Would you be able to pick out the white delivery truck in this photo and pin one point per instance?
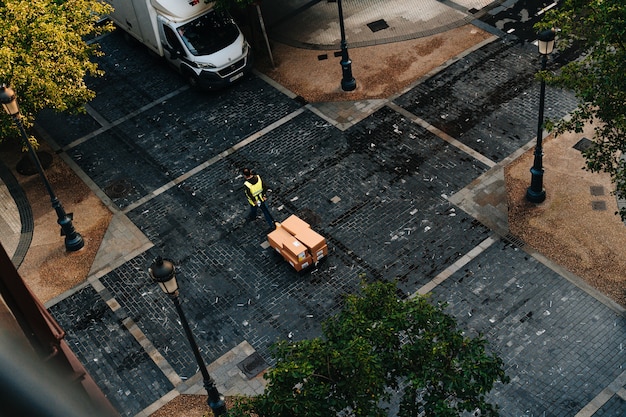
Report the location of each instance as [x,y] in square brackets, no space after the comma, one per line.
[203,44]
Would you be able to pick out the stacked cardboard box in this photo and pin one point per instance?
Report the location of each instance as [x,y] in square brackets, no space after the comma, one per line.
[298,243]
[314,242]
[293,224]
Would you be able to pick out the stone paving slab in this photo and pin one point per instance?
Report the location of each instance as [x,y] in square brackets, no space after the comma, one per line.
[403,20]
[16,223]
[122,242]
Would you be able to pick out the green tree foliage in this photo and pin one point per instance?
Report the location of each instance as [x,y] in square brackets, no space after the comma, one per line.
[44,55]
[377,345]
[598,79]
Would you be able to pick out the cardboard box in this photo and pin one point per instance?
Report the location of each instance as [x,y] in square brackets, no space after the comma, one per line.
[300,266]
[297,264]
[283,241]
[293,224]
[296,248]
[301,250]
[311,239]
[319,253]
[278,237]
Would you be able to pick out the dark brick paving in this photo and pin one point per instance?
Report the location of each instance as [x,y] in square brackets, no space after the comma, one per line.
[232,290]
[72,127]
[171,138]
[489,99]
[123,370]
[551,334]
[392,221]
[133,77]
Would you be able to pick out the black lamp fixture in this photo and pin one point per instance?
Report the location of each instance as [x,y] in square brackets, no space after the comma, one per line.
[348,83]
[536,193]
[73,240]
[163,272]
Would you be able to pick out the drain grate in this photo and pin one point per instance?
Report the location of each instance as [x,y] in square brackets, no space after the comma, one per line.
[252,365]
[598,205]
[514,240]
[583,144]
[596,190]
[377,25]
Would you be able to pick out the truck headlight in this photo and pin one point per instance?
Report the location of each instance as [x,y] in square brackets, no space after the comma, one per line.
[205,65]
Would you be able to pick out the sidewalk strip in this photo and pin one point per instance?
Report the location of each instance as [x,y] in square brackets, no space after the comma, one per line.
[213,160]
[153,352]
[615,387]
[274,84]
[442,135]
[460,263]
[139,336]
[108,125]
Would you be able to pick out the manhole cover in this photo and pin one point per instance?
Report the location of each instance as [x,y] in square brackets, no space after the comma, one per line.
[598,205]
[252,365]
[377,25]
[583,144]
[596,190]
[118,188]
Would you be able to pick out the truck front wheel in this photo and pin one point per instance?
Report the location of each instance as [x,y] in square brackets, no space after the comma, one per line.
[192,79]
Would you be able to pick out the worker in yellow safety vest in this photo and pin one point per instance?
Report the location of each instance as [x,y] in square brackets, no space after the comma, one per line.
[256,192]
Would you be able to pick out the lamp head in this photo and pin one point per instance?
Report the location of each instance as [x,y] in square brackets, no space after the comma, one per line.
[545,41]
[163,273]
[9,100]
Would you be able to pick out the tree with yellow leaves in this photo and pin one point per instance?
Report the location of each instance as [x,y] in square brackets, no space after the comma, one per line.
[45,55]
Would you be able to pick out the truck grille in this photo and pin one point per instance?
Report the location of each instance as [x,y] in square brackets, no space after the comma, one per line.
[232,68]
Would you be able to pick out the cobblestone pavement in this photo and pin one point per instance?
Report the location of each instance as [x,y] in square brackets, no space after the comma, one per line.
[380,190]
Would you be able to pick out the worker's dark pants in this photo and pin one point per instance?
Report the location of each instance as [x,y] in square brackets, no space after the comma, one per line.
[266,212]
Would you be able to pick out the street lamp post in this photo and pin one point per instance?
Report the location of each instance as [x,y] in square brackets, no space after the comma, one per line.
[73,240]
[348,83]
[163,272]
[536,193]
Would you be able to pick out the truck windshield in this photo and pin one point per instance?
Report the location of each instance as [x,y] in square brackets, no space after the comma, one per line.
[209,33]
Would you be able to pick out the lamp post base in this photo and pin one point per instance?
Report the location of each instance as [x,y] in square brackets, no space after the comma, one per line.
[535,196]
[348,83]
[73,240]
[536,193]
[74,243]
[219,408]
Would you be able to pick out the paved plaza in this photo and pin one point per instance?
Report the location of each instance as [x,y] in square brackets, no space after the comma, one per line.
[392,191]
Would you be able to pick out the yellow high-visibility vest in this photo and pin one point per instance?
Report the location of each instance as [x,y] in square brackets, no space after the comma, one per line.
[256,190]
